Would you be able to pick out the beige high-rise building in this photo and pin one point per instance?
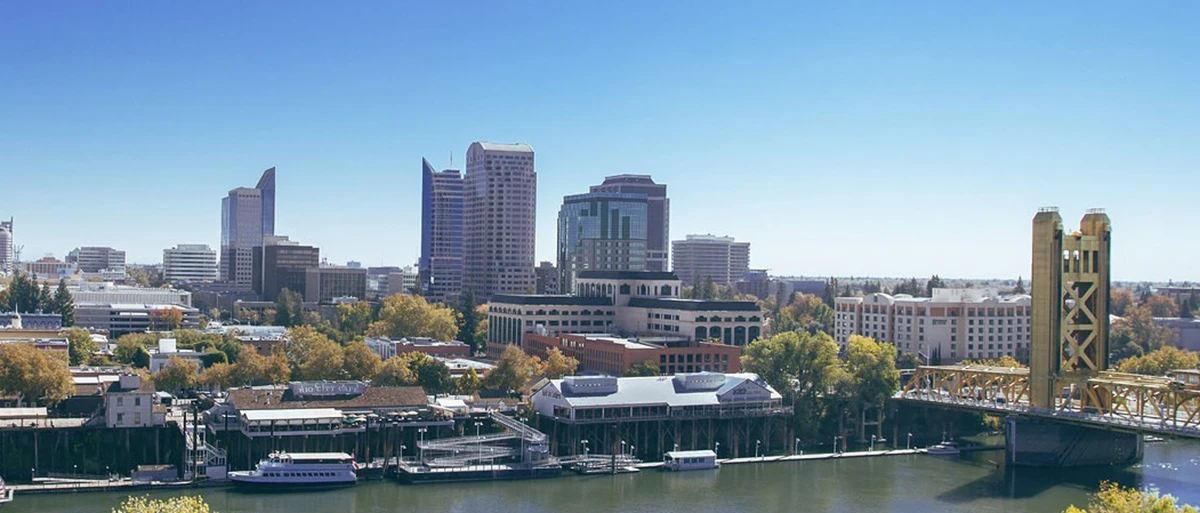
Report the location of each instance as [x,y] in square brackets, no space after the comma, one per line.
[1071,285]
[500,200]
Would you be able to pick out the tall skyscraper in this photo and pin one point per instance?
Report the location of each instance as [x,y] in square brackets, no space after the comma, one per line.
[701,257]
[189,263]
[441,265]
[247,217]
[658,227]
[7,263]
[500,196]
[601,231]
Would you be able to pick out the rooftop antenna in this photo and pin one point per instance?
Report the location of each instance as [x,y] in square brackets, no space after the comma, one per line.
[451,159]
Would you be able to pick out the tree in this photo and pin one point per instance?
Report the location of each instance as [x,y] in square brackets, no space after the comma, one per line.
[514,370]
[411,316]
[1136,333]
[313,355]
[359,361]
[183,504]
[1003,361]
[217,376]
[872,369]
[33,375]
[805,313]
[469,383]
[354,318]
[1160,361]
[64,305]
[802,367]
[80,346]
[431,374]
[936,283]
[1020,287]
[45,299]
[1161,305]
[394,372]
[646,368]
[289,308]
[468,320]
[558,365]
[1119,300]
[167,319]
[1112,498]
[177,375]
[131,349]
[481,327]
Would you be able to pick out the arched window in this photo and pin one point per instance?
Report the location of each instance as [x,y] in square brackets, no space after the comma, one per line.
[701,333]
[714,332]
[665,290]
[739,319]
[625,288]
[739,336]
[754,333]
[701,318]
[754,318]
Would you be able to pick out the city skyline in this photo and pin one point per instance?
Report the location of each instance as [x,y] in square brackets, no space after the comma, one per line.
[827,136]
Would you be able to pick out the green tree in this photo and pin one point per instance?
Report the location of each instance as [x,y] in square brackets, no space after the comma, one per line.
[1020,287]
[354,318]
[431,374]
[131,349]
[289,308]
[1160,361]
[936,283]
[1112,498]
[646,368]
[64,305]
[411,316]
[313,355]
[1136,333]
[360,362]
[33,375]
[394,372]
[514,370]
[182,504]
[468,319]
[873,378]
[558,365]
[177,375]
[802,367]
[80,346]
[805,313]
[481,327]
[469,383]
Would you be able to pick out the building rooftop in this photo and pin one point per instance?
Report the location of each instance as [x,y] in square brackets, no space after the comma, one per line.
[286,414]
[694,304]
[628,343]
[627,275]
[276,398]
[699,389]
[519,147]
[551,299]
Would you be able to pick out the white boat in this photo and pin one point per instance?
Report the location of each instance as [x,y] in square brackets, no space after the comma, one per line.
[307,470]
[690,460]
[946,448]
[1151,439]
[6,494]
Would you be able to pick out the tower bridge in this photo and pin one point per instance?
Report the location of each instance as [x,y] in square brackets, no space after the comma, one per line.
[1067,408]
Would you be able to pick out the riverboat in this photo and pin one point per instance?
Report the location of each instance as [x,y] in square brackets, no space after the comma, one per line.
[690,460]
[290,471]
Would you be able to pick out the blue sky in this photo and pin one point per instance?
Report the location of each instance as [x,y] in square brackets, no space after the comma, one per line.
[843,138]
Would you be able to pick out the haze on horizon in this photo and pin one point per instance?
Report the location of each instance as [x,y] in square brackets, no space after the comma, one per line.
[867,139]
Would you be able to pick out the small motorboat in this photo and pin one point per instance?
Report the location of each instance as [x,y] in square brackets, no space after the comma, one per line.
[946,448]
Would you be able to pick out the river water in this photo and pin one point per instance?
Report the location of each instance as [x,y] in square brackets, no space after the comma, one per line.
[904,484]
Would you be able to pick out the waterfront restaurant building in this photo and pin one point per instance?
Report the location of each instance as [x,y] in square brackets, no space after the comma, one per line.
[613,355]
[649,416]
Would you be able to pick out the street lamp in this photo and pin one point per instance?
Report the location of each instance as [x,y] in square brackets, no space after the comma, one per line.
[622,448]
[421,443]
[908,444]
[478,442]
[402,448]
[872,449]
[585,449]
[796,448]
[835,441]
[717,449]
[757,443]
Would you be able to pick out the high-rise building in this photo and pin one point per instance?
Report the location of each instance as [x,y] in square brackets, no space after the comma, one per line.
[190,263]
[500,199]
[441,261]
[7,263]
[547,278]
[283,264]
[247,217]
[601,231]
[702,257]
[93,259]
[658,222]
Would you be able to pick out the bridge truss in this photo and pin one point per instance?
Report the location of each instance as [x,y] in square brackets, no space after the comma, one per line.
[1113,400]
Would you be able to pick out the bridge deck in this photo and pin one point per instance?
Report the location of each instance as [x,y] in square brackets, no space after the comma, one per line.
[1112,400]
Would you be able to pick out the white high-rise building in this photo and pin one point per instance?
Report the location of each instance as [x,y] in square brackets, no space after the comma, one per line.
[500,199]
[190,263]
[7,263]
[701,257]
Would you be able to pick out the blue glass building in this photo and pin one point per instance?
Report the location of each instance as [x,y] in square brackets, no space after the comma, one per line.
[441,264]
[601,231]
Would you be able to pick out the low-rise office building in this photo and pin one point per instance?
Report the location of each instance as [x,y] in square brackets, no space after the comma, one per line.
[120,318]
[30,321]
[953,325]
[323,284]
[610,354]
[190,263]
[626,303]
